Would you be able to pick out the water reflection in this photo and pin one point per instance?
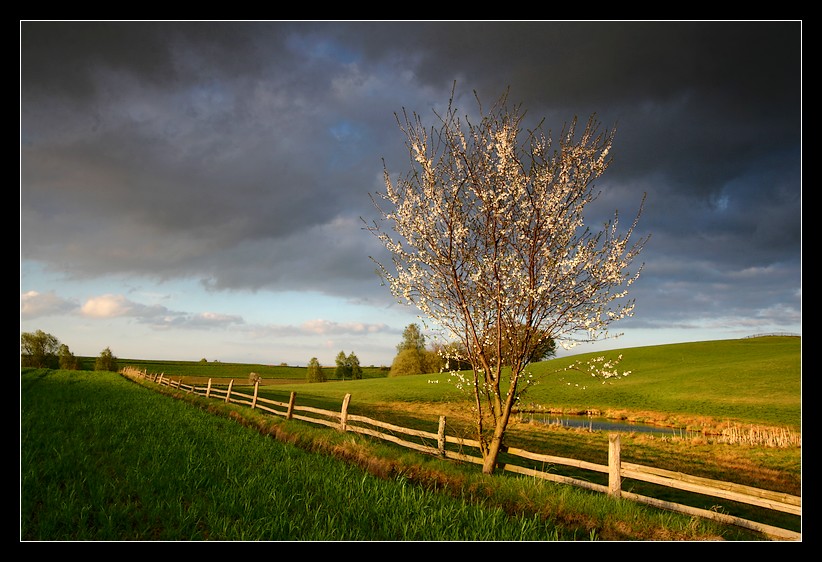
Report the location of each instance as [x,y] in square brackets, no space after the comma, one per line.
[593,423]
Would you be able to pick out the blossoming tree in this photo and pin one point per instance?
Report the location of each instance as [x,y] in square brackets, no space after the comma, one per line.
[488,240]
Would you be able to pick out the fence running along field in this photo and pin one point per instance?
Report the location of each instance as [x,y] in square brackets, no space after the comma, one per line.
[615,469]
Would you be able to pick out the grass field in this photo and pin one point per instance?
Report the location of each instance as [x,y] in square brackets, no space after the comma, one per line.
[688,385]
[121,462]
[237,371]
[78,493]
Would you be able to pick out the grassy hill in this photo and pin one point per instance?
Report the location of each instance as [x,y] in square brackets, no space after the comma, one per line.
[754,380]
[751,380]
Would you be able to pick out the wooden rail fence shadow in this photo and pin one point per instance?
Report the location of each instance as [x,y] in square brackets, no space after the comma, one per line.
[615,469]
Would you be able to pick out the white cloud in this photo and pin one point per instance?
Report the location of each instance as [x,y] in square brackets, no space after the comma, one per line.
[107,306]
[325,327]
[34,304]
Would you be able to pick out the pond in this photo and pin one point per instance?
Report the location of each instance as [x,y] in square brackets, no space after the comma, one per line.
[595,423]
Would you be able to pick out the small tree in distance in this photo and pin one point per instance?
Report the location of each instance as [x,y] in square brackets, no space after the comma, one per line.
[353,365]
[348,366]
[106,361]
[315,371]
[68,360]
[488,240]
[343,370]
[412,338]
[412,356]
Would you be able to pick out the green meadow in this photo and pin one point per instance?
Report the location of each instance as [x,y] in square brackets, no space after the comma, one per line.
[688,385]
[123,461]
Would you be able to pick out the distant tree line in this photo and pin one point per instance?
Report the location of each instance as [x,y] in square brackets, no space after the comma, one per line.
[42,350]
[348,367]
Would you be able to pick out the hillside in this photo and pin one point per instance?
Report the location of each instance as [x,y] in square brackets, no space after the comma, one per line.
[756,381]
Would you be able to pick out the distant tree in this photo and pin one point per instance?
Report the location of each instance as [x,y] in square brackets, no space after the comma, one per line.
[544,350]
[449,356]
[39,349]
[412,356]
[106,361]
[353,363]
[544,347]
[67,359]
[348,366]
[343,370]
[408,362]
[315,371]
[412,338]
[254,378]
[203,360]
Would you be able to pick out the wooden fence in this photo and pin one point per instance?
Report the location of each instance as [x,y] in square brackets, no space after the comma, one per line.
[615,469]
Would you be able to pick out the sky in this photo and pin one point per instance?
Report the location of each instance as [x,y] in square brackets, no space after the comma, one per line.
[196,190]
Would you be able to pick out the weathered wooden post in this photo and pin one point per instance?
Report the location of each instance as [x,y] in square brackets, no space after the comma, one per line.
[256,388]
[441,436]
[291,400]
[228,392]
[344,412]
[614,469]
[208,389]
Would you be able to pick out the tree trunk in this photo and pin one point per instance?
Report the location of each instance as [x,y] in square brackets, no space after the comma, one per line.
[490,455]
[489,461]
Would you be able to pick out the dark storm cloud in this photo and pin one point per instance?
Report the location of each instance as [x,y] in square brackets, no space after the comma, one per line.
[242,154]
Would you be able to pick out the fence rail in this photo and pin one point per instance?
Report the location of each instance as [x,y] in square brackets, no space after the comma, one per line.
[615,469]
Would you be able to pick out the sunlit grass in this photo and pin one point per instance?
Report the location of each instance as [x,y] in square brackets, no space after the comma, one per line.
[103,459]
[120,461]
[113,465]
[690,385]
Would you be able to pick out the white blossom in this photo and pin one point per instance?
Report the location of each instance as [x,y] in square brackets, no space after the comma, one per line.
[488,240]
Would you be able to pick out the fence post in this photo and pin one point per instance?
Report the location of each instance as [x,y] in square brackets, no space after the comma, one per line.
[208,389]
[614,468]
[344,412]
[441,436]
[290,412]
[228,392]
[256,388]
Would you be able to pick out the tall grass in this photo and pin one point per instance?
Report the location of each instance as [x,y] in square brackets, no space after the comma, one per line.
[104,459]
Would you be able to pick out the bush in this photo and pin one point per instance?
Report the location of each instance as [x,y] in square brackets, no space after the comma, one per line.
[408,362]
[106,361]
